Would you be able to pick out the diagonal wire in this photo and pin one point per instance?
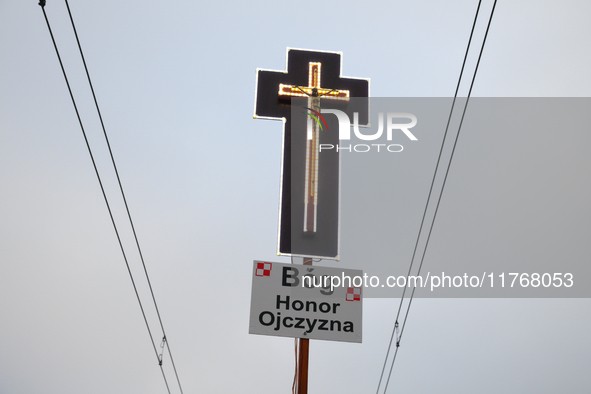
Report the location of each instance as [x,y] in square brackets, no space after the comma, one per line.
[123,195]
[429,195]
[42,4]
[443,185]
[97,173]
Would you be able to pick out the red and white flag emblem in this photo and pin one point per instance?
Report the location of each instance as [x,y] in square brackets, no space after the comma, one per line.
[263,269]
[353,294]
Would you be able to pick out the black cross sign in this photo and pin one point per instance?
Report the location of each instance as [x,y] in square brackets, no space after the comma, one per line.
[309,215]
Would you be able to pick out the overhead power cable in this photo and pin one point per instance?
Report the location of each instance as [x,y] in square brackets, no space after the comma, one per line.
[396,331]
[165,340]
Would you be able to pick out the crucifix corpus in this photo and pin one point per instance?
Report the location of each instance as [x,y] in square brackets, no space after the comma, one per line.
[309,202]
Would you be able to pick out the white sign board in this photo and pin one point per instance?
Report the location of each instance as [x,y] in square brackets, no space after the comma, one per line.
[300,301]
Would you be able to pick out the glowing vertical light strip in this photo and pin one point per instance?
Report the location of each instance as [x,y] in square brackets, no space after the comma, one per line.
[311,176]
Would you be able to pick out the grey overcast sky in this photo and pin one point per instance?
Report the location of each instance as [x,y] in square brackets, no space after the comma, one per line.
[175,82]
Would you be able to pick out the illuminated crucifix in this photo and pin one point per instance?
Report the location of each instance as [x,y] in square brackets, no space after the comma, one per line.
[309,205]
[314,93]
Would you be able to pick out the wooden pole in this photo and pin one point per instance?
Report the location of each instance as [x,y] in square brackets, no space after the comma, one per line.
[303,357]
[303,366]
